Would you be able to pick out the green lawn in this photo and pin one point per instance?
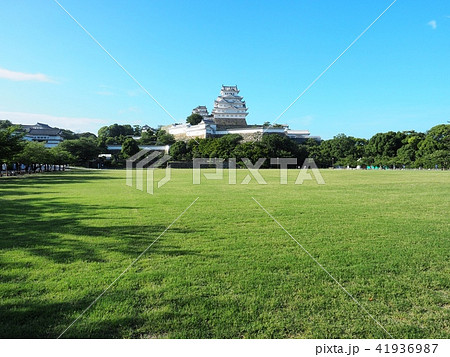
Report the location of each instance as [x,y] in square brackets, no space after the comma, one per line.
[225,269]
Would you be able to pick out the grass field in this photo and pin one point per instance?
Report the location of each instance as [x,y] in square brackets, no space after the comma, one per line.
[225,269]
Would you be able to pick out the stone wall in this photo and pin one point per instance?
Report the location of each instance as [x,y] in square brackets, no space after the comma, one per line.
[230,123]
[184,137]
[250,137]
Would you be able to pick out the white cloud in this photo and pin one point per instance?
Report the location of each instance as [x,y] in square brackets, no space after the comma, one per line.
[75,124]
[135,92]
[433,24]
[130,110]
[21,76]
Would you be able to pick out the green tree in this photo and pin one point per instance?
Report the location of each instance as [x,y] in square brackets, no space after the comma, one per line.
[69,135]
[137,129]
[115,133]
[311,147]
[4,124]
[323,154]
[129,148]
[347,150]
[194,119]
[437,138]
[87,135]
[147,138]
[103,132]
[383,146]
[164,138]
[407,154]
[178,151]
[83,150]
[279,146]
[60,156]
[252,151]
[224,146]
[191,147]
[438,158]
[341,150]
[11,143]
[34,153]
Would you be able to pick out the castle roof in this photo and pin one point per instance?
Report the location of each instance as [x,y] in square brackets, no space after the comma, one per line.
[40,129]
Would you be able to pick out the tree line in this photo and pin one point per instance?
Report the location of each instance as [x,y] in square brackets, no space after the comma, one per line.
[391,149]
[401,149]
[81,149]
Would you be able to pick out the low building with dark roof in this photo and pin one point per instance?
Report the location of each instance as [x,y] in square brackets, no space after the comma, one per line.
[43,133]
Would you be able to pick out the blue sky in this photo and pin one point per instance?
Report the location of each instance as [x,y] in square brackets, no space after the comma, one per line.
[396,77]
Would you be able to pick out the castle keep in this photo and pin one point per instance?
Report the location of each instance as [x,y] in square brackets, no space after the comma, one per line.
[229,117]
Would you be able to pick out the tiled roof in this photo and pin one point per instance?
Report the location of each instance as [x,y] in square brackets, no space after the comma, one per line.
[43,132]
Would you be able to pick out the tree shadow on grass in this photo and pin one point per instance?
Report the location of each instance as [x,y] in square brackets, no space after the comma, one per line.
[116,315]
[49,228]
[55,177]
[52,229]
[49,320]
[12,185]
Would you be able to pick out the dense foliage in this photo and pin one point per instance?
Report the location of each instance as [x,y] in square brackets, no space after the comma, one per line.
[407,149]
[392,149]
[10,142]
[194,119]
[129,148]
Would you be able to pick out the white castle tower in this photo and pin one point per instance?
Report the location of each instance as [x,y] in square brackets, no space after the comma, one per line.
[201,110]
[229,108]
[229,117]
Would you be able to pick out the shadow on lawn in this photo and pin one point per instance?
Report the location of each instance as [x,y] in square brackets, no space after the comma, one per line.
[49,320]
[63,238]
[12,185]
[52,229]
